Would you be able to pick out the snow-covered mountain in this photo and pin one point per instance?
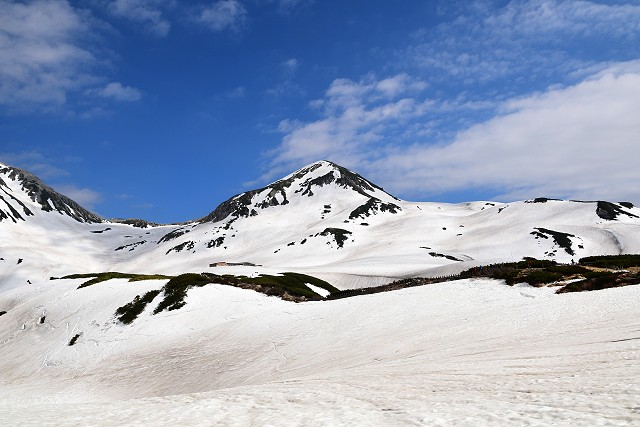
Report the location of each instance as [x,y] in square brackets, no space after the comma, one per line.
[469,352]
[17,183]
[322,219]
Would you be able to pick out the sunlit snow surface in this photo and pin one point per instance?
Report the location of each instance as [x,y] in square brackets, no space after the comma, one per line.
[471,352]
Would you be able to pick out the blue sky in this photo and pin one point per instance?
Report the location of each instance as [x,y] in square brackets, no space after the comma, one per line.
[163,109]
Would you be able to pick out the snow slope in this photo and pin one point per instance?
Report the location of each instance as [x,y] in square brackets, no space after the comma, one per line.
[471,352]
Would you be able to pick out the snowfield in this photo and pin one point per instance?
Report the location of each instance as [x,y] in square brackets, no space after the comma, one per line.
[471,352]
[465,353]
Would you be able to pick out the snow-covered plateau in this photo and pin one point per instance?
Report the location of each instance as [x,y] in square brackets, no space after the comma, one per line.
[465,352]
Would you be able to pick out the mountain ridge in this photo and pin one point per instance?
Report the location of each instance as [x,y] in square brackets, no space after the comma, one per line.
[321,219]
[239,205]
[40,193]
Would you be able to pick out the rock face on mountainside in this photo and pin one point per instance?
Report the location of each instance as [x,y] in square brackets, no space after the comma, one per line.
[14,209]
[302,183]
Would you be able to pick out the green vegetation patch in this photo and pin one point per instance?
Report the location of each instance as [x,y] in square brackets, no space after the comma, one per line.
[612,261]
[288,286]
[541,272]
[175,290]
[103,277]
[130,311]
[602,280]
[530,270]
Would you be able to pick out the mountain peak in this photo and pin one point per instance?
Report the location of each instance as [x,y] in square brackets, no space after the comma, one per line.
[36,191]
[305,182]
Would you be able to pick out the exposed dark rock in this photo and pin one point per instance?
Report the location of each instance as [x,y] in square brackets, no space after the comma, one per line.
[216,242]
[243,205]
[340,235]
[136,222]
[540,200]
[372,206]
[131,246]
[101,231]
[173,235]
[74,339]
[611,211]
[561,239]
[450,257]
[188,245]
[13,214]
[48,198]
[316,182]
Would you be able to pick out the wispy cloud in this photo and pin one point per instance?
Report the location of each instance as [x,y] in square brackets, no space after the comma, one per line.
[86,197]
[355,116]
[524,43]
[287,86]
[223,15]
[290,66]
[40,165]
[289,6]
[148,13]
[503,100]
[118,92]
[49,60]
[578,141]
[42,56]
[238,92]
[33,161]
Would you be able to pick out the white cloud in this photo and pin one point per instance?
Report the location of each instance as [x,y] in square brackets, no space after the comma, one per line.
[548,18]
[33,161]
[344,93]
[400,84]
[288,6]
[356,115]
[290,66]
[149,13]
[118,92]
[42,58]
[238,92]
[579,141]
[223,15]
[85,197]
[527,41]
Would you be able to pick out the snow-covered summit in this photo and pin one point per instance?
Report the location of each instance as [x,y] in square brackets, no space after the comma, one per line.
[22,195]
[319,181]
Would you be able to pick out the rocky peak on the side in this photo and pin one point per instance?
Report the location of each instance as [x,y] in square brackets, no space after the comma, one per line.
[47,198]
[305,182]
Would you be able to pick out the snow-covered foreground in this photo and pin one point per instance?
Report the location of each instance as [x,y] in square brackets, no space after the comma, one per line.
[471,352]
